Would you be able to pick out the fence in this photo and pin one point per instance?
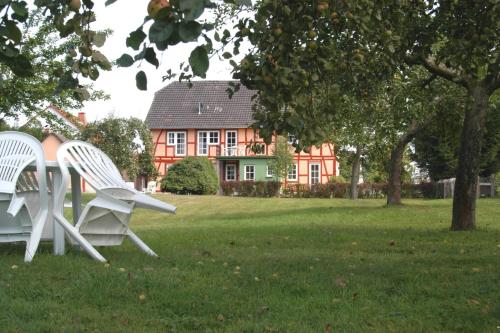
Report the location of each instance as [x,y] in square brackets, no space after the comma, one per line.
[486,187]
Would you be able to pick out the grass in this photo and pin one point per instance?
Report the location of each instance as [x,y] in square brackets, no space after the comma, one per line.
[269,265]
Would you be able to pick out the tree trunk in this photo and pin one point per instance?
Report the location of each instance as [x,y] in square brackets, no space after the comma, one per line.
[394,185]
[464,199]
[356,166]
[493,183]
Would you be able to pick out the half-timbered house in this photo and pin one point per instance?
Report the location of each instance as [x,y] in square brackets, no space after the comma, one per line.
[204,121]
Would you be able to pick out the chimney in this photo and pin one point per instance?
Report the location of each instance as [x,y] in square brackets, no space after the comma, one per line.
[82,118]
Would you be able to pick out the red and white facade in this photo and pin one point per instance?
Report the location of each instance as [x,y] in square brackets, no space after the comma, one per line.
[171,145]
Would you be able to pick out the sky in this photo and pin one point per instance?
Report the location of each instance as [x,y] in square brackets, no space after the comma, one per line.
[123,17]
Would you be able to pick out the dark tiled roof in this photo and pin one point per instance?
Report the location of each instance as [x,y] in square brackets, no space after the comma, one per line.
[178,107]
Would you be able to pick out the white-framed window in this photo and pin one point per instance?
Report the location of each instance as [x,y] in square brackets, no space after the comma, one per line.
[314,173]
[269,171]
[177,139]
[171,138]
[231,143]
[230,172]
[292,172]
[249,172]
[213,137]
[291,138]
[206,138]
[202,143]
[180,146]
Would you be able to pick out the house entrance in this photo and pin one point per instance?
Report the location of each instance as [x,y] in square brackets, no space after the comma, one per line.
[230,171]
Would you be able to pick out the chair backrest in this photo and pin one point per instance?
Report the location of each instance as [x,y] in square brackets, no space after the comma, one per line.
[17,151]
[92,164]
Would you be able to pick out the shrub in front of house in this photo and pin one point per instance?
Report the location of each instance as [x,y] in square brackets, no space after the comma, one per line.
[337,179]
[329,190]
[229,188]
[272,188]
[250,188]
[191,175]
[372,190]
[365,190]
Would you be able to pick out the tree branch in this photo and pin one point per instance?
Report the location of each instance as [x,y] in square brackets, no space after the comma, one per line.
[414,128]
[438,69]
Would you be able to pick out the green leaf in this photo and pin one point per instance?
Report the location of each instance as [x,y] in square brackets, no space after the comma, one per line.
[192,8]
[88,3]
[160,31]
[141,81]
[109,2]
[19,7]
[9,51]
[98,56]
[11,31]
[227,55]
[125,60]
[247,3]
[94,74]
[99,39]
[189,31]
[67,81]
[101,60]
[150,56]
[85,50]
[21,66]
[135,39]
[140,55]
[199,61]
[82,93]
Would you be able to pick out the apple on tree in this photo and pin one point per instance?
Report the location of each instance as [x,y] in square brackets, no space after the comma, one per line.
[74,5]
[155,6]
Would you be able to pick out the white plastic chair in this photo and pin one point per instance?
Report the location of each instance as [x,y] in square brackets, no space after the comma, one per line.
[151,187]
[104,221]
[22,220]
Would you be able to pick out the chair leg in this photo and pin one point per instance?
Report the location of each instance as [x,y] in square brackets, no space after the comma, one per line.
[79,238]
[33,241]
[31,247]
[140,244]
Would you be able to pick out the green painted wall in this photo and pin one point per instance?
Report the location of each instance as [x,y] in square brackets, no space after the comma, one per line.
[260,168]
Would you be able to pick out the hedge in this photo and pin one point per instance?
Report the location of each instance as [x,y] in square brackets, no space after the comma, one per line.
[365,190]
[250,188]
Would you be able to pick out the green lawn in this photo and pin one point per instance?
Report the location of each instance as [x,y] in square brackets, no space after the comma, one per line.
[269,265]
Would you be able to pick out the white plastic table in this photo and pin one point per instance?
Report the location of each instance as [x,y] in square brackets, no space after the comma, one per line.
[57,234]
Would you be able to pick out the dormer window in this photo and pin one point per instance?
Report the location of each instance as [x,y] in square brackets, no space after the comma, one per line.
[291,139]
